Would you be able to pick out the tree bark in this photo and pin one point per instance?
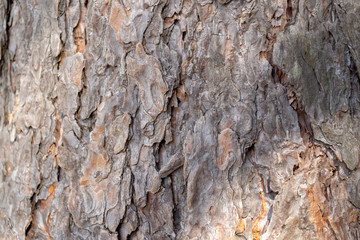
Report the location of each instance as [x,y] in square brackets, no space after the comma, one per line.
[179,119]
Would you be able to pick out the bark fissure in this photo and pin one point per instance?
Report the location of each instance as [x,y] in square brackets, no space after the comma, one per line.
[183,119]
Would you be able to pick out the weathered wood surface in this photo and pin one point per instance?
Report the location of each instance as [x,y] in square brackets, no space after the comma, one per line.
[179,119]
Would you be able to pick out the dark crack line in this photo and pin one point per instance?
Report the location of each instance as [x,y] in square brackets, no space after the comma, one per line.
[33,202]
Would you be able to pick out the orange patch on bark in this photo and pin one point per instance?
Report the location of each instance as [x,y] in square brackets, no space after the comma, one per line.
[46,202]
[79,31]
[51,189]
[170,20]
[84,181]
[8,168]
[144,153]
[353,216]
[117,16]
[316,217]
[228,50]
[255,229]
[98,161]
[97,136]
[240,228]
[58,135]
[225,146]
[262,56]
[181,94]
[205,11]
[77,73]
[79,38]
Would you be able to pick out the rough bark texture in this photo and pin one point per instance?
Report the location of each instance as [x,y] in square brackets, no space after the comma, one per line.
[179,119]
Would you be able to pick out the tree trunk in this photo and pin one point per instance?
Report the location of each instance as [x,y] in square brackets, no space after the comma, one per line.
[180,119]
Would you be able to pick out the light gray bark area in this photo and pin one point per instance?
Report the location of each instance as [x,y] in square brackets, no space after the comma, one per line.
[179,119]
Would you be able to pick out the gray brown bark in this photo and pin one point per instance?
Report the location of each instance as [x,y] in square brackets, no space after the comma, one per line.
[179,119]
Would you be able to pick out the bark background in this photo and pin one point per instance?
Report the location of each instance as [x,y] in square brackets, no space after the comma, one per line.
[179,119]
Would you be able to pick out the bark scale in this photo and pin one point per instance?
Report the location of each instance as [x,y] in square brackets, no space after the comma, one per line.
[179,119]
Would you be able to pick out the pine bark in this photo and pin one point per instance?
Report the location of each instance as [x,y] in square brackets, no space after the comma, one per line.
[179,119]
